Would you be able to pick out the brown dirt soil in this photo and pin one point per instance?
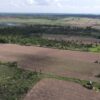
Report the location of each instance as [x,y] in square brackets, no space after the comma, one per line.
[50,89]
[61,62]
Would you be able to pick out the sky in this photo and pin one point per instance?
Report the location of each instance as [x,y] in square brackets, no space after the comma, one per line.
[50,6]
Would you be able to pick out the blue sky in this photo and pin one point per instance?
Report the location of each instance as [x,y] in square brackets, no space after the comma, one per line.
[50,6]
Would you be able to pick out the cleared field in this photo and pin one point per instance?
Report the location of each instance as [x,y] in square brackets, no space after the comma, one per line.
[61,62]
[81,22]
[50,89]
[73,21]
[28,21]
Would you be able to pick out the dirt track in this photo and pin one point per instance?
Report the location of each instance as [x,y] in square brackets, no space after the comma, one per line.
[62,62]
[50,89]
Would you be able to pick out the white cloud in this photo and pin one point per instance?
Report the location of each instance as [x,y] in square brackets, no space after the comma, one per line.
[14,4]
[46,2]
[56,6]
[30,2]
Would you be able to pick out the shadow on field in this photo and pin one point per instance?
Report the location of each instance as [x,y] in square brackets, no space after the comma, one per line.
[36,62]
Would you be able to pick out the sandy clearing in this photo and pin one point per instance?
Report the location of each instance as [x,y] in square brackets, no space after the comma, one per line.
[62,62]
[50,89]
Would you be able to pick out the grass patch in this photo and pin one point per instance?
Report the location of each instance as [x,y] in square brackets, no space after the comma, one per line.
[95,49]
[15,82]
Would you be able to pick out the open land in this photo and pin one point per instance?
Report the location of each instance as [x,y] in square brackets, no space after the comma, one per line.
[73,21]
[60,90]
[44,70]
[61,62]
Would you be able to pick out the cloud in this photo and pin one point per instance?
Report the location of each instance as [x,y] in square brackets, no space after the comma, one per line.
[17,3]
[45,2]
[38,2]
[56,6]
[30,2]
[67,6]
[14,4]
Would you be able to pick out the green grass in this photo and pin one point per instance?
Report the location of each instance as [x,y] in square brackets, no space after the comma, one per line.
[15,82]
[95,49]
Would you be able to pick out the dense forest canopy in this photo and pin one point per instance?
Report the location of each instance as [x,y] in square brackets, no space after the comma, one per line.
[50,29]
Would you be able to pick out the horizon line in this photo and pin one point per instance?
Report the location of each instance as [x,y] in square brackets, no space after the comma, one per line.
[48,13]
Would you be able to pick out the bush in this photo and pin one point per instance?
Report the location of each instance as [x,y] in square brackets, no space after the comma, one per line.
[98,76]
[3,40]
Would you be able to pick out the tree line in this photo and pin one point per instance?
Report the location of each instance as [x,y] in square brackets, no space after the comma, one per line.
[29,30]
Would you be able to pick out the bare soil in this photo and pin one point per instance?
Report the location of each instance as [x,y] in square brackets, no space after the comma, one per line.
[50,89]
[61,62]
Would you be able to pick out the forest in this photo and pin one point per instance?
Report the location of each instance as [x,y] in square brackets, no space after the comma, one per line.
[32,35]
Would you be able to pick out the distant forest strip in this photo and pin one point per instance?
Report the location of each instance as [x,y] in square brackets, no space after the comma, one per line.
[30,30]
[47,15]
[32,35]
